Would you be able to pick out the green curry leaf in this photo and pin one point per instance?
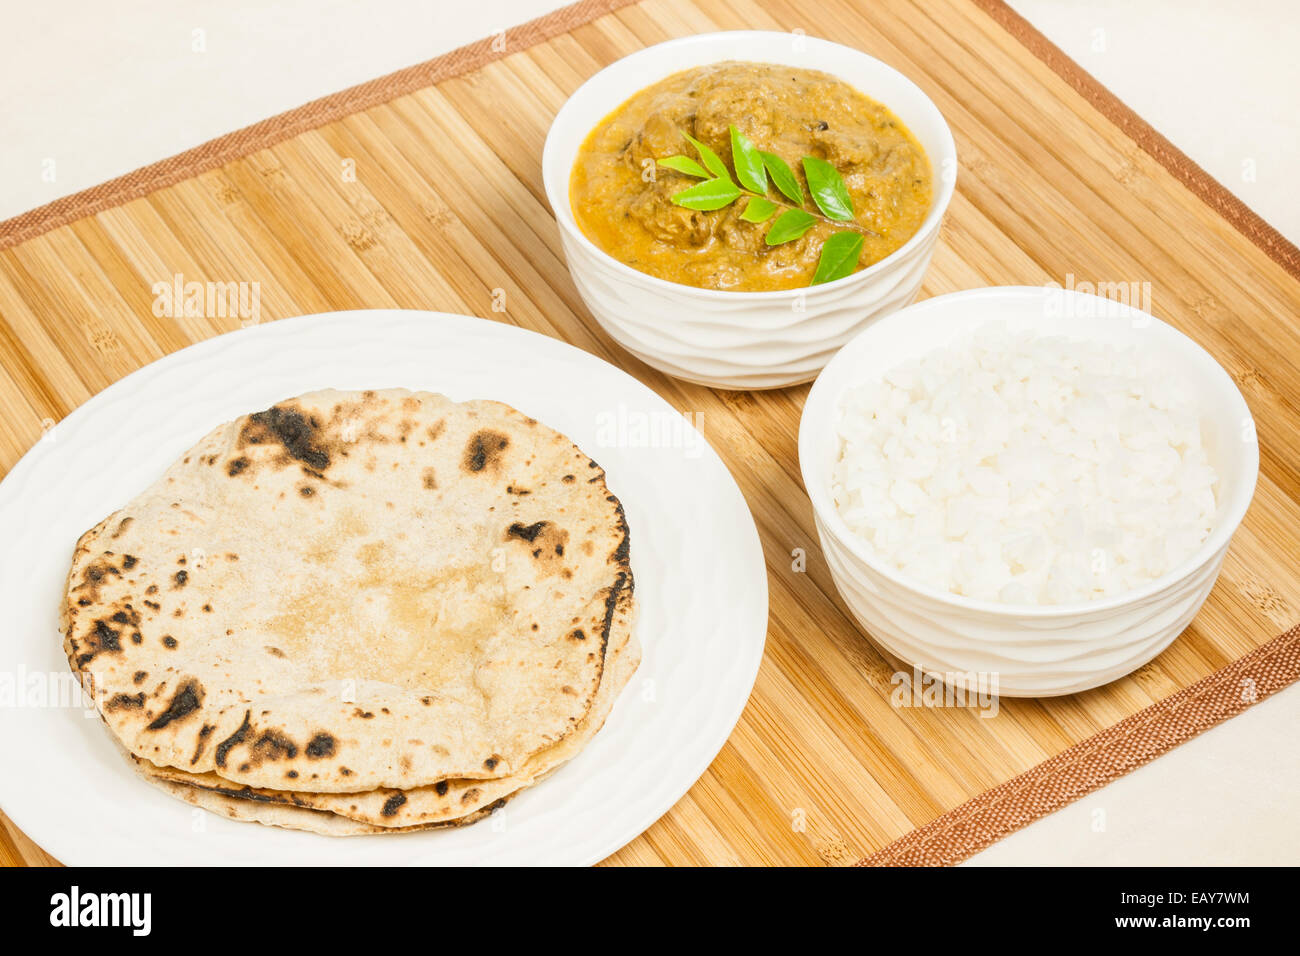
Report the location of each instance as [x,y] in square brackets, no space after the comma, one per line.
[754,167]
[839,257]
[749,164]
[708,195]
[684,164]
[828,189]
[783,177]
[712,161]
[758,209]
[790,225]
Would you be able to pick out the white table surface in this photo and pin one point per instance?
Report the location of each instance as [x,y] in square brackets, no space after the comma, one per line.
[91,90]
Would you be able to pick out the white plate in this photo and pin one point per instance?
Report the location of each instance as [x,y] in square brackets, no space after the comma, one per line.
[700,582]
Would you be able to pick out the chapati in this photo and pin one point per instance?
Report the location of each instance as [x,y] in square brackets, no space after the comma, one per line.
[355,591]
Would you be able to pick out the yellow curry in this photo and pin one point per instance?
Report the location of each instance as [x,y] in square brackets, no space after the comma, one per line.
[622,200]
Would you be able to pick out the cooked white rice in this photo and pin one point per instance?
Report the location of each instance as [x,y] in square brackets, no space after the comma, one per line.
[1026,469]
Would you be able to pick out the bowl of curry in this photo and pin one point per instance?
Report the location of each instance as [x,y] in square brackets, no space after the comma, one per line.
[710,275]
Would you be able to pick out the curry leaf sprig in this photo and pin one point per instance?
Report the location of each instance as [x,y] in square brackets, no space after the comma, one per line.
[754,166]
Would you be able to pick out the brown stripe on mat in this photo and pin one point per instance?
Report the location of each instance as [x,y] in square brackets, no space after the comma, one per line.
[1208,189]
[1095,762]
[309,116]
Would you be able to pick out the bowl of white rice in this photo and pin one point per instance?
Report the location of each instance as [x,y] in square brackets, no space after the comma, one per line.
[1025,489]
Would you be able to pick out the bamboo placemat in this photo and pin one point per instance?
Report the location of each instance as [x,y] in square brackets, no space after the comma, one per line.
[1057,180]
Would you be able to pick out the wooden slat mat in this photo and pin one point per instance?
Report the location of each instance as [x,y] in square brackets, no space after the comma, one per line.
[1057,180]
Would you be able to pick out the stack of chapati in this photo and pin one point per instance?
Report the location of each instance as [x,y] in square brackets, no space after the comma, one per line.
[358,612]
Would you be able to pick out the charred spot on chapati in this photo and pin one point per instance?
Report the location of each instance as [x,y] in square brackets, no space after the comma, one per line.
[187,699]
[320,746]
[393,804]
[483,451]
[234,740]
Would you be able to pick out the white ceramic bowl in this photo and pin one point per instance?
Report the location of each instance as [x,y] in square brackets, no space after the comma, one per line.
[1033,650]
[742,340]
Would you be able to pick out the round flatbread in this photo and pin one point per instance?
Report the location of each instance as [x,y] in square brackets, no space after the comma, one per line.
[353,591]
